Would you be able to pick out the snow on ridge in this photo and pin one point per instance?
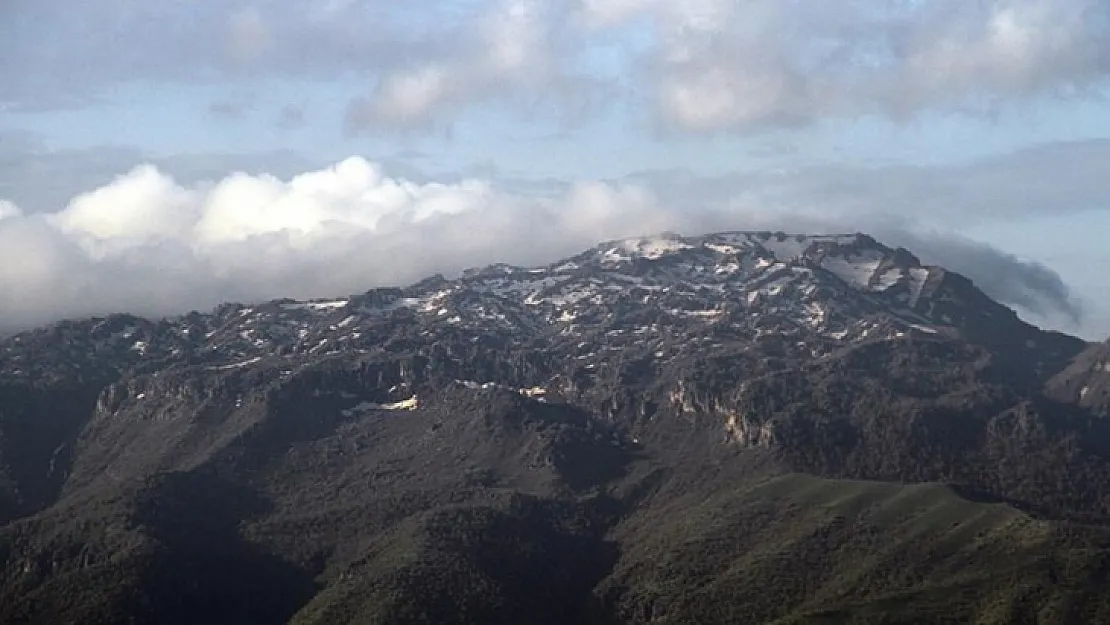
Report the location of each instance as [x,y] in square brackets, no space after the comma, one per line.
[757,268]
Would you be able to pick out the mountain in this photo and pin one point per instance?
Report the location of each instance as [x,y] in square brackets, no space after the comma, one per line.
[737,427]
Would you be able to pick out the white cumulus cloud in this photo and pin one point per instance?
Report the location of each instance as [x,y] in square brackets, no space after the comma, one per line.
[146,244]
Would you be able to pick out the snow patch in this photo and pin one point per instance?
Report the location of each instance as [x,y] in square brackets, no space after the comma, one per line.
[727,250]
[888,278]
[411,403]
[917,279]
[328,305]
[477,386]
[534,392]
[236,365]
[653,247]
[855,271]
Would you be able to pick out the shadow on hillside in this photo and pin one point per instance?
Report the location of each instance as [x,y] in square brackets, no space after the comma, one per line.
[206,571]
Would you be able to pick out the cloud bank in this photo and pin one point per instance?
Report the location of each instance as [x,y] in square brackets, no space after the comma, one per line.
[147,244]
[698,65]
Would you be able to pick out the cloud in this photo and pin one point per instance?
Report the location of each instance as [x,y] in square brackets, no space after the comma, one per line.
[111,43]
[700,65]
[230,110]
[9,210]
[291,117]
[146,243]
[511,52]
[248,36]
[1027,285]
[722,65]
[39,179]
[1061,178]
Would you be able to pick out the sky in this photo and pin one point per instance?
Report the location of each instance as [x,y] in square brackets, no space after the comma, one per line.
[161,157]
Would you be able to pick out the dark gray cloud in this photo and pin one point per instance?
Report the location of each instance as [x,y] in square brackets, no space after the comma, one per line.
[1024,284]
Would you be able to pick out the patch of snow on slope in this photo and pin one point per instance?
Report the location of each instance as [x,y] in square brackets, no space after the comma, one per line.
[653,247]
[856,271]
[329,305]
[917,279]
[678,312]
[788,248]
[889,278]
[237,365]
[722,248]
[411,403]
[516,288]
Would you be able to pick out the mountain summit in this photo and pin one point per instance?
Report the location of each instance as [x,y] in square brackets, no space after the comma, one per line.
[628,435]
[726,288]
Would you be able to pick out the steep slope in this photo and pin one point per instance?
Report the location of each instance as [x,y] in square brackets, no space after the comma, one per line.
[624,436]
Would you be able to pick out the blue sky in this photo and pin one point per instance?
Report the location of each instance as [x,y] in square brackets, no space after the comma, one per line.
[982,125]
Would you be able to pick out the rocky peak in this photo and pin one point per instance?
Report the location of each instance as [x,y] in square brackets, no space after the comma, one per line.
[654,296]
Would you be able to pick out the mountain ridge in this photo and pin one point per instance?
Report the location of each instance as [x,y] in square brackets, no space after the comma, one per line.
[458,450]
[926,291]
